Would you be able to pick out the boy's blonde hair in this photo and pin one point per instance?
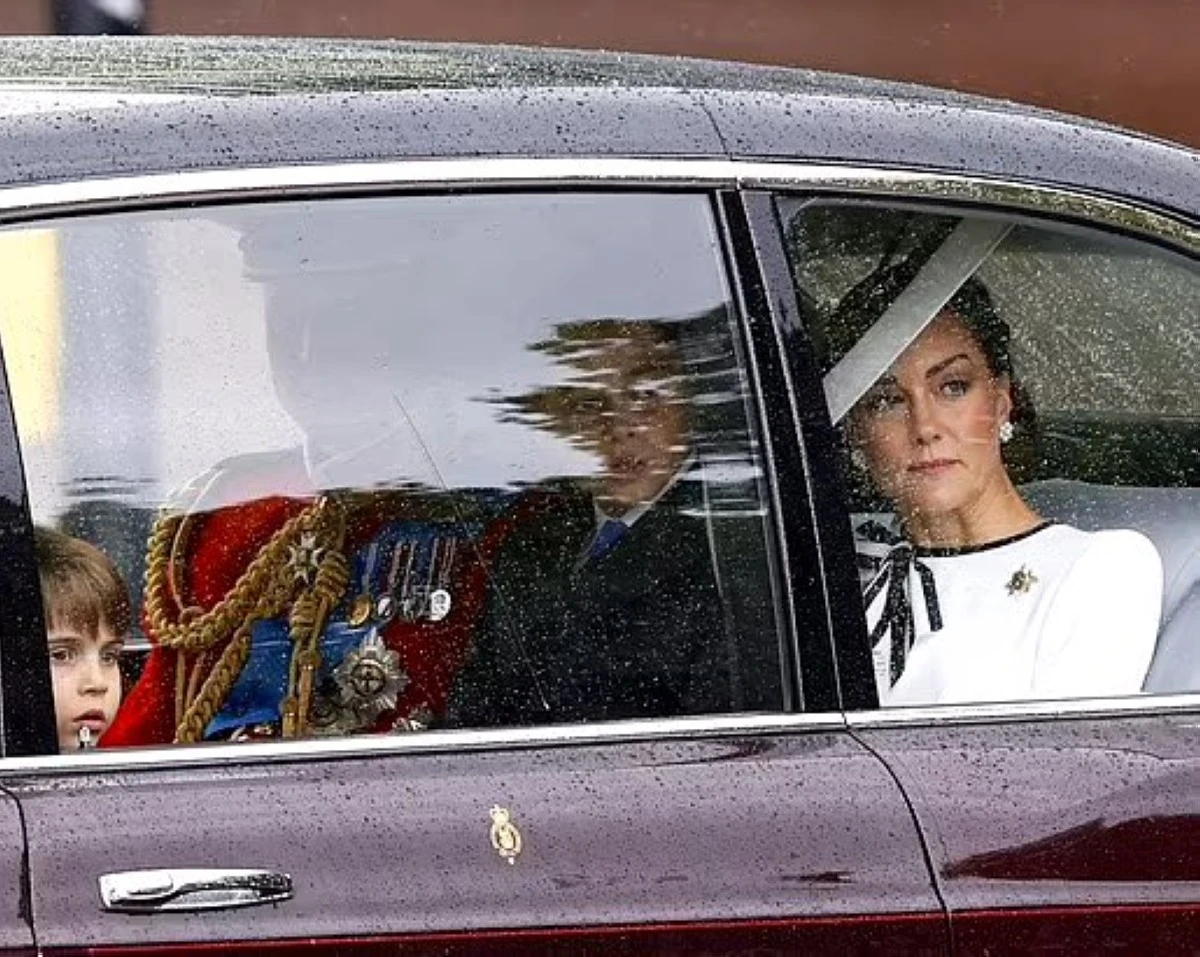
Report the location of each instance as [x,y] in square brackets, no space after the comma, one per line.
[81,587]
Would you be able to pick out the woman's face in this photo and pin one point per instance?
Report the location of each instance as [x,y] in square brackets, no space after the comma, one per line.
[929,428]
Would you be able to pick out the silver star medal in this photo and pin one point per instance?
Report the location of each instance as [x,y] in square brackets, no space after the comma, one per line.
[305,558]
[1021,582]
[369,679]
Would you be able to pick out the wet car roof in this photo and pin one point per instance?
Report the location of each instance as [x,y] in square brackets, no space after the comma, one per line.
[88,107]
[241,66]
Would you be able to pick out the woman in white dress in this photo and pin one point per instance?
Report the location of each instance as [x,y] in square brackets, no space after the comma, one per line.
[982,600]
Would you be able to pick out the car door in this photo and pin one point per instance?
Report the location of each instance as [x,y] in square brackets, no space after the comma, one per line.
[16,927]
[1065,824]
[438,354]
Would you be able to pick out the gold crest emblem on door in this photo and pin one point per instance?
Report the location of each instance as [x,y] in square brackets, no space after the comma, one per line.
[506,839]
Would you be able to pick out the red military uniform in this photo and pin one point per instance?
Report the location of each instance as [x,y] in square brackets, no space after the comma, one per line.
[290,617]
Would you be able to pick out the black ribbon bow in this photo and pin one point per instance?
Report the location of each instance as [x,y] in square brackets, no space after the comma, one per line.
[897,616]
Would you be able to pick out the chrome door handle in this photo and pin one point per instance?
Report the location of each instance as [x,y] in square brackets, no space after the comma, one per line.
[191,889]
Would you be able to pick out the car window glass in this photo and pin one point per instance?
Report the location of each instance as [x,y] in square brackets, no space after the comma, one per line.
[380,465]
[1020,425]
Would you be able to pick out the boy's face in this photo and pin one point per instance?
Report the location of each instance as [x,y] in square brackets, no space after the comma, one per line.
[87,681]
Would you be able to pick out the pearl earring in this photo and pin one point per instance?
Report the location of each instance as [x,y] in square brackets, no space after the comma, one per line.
[1006,431]
[858,459]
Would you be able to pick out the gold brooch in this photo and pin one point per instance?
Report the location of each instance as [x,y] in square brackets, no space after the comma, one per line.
[1022,580]
[506,839]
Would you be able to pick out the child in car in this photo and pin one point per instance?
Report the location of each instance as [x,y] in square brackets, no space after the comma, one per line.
[87,614]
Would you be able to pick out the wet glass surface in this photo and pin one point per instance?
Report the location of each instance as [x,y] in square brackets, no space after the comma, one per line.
[1021,429]
[456,396]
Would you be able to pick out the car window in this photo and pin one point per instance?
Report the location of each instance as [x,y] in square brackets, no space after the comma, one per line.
[1018,413]
[386,464]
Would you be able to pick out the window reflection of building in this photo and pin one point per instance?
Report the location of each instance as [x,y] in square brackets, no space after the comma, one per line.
[31,328]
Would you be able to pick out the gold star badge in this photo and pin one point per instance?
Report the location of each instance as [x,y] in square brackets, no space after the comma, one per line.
[1022,580]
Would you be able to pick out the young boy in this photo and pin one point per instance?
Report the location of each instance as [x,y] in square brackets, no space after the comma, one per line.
[87,614]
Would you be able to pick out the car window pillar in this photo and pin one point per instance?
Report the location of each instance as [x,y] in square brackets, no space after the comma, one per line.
[809,500]
[26,696]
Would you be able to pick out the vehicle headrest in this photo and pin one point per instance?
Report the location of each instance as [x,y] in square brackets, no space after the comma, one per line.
[1169,517]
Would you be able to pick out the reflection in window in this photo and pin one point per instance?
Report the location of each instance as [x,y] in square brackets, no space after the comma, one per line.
[613,603]
[1022,437]
[388,464]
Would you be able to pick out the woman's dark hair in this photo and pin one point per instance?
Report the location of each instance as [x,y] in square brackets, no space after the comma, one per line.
[866,302]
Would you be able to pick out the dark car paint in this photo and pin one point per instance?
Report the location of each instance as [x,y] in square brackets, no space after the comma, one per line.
[762,938]
[1100,815]
[651,832]
[626,835]
[16,926]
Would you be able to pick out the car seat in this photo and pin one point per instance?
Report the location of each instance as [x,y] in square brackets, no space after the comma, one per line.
[1170,518]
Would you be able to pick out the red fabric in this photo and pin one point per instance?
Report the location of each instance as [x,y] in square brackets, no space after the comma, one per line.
[223,543]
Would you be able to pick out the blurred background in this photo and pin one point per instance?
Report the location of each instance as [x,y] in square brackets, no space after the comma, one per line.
[1130,62]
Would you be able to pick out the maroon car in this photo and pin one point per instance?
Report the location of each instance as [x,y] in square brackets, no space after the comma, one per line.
[478,434]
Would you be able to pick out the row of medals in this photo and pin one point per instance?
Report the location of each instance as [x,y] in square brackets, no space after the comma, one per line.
[370,679]
[428,601]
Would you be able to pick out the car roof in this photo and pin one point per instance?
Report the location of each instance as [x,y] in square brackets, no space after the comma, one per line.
[74,107]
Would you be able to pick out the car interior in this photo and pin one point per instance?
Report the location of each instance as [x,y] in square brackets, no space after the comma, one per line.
[1103,344]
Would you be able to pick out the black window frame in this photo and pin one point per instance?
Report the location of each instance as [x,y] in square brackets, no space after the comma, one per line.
[813,454]
[27,711]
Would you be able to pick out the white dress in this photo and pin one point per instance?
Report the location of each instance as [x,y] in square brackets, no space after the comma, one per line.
[1053,613]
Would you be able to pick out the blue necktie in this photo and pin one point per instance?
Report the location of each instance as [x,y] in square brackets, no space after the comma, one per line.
[610,533]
